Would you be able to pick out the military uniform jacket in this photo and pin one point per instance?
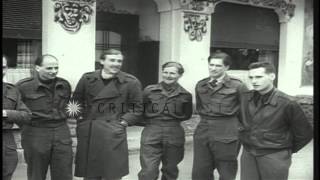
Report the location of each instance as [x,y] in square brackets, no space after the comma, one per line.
[163,106]
[275,125]
[102,148]
[219,101]
[17,111]
[48,105]
[219,106]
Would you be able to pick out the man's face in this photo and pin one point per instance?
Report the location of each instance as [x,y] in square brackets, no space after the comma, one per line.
[217,68]
[260,80]
[112,63]
[170,75]
[4,66]
[49,68]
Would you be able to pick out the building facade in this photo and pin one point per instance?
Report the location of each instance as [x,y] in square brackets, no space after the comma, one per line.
[151,32]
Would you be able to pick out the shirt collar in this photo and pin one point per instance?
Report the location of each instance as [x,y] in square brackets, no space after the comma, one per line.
[225,79]
[179,89]
[271,96]
[120,75]
[219,80]
[38,83]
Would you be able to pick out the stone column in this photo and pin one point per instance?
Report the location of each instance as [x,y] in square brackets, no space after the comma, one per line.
[74,50]
[291,52]
[180,42]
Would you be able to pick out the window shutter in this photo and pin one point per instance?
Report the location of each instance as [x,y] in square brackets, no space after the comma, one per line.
[21,19]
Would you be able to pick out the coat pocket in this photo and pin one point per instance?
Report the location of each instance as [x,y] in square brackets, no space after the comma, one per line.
[38,102]
[276,138]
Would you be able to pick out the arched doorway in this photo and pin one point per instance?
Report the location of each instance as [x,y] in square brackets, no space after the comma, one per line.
[119,31]
[248,34]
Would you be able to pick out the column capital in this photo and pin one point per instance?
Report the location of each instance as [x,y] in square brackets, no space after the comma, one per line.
[168,5]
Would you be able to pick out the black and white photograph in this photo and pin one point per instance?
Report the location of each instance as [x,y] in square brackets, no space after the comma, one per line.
[158,90]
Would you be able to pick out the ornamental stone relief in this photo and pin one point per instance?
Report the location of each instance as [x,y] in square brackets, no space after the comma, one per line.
[284,8]
[70,14]
[195,25]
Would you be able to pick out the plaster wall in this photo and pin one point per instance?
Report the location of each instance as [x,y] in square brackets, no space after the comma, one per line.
[291,53]
[75,51]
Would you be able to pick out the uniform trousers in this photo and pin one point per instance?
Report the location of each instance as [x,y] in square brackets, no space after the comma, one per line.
[161,143]
[274,166]
[9,155]
[216,146]
[44,147]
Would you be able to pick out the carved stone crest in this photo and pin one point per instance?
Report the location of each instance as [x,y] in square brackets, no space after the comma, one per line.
[70,14]
[195,25]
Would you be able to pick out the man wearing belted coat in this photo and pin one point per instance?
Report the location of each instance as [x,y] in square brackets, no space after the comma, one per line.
[110,100]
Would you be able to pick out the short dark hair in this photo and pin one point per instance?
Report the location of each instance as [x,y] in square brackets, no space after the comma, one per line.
[226,59]
[40,59]
[268,66]
[110,52]
[174,64]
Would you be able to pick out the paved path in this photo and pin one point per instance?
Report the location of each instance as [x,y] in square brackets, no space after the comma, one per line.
[301,168]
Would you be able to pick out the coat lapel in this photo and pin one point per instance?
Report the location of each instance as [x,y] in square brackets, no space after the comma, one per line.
[217,88]
[109,91]
[99,90]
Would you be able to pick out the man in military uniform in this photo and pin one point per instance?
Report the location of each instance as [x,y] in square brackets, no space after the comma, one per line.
[110,100]
[273,126]
[47,141]
[13,111]
[167,104]
[216,144]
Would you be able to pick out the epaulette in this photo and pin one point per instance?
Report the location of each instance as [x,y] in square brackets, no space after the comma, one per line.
[130,76]
[88,73]
[152,87]
[235,78]
[204,79]
[90,76]
[286,96]
[24,80]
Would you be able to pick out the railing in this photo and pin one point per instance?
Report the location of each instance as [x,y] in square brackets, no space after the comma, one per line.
[16,74]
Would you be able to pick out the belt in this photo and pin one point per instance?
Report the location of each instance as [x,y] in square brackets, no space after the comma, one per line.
[214,118]
[47,124]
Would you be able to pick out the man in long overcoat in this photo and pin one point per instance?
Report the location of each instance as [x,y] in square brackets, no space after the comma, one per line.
[110,100]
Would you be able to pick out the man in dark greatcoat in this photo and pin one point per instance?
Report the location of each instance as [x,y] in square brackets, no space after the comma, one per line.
[110,100]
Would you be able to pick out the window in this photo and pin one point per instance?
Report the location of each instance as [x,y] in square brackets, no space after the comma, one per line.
[104,41]
[21,55]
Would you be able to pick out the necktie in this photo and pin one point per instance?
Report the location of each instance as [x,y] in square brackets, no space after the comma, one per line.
[213,83]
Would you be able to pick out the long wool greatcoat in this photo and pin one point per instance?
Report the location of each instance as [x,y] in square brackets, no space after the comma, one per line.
[102,148]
